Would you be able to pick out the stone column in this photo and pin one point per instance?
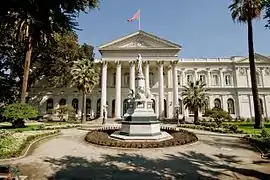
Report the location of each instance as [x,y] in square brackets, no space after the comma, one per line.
[209,77]
[132,75]
[195,75]
[146,75]
[161,90]
[103,88]
[184,82]
[170,107]
[221,77]
[118,91]
[175,85]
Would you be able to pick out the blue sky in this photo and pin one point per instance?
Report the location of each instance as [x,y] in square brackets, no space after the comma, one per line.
[204,28]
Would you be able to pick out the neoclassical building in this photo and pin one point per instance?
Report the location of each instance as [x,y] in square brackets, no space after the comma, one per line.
[227,78]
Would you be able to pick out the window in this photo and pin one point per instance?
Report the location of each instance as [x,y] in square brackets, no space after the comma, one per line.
[126,79]
[179,78]
[258,78]
[88,106]
[217,103]
[62,102]
[261,105]
[49,105]
[114,79]
[230,104]
[215,80]
[228,80]
[180,106]
[151,79]
[75,103]
[202,78]
[189,78]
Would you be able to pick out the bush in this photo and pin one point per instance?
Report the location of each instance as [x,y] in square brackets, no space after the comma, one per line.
[4,133]
[65,110]
[266,119]
[265,133]
[17,112]
[219,115]
[101,137]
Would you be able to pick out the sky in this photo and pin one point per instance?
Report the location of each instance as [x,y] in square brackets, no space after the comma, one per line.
[203,28]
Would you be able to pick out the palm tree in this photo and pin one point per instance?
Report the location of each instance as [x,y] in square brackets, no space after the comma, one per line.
[85,77]
[35,21]
[195,98]
[244,11]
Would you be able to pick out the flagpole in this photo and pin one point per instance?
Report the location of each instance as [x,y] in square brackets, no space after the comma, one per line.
[139,19]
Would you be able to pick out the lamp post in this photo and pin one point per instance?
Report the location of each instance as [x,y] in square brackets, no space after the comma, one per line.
[104,114]
[177,108]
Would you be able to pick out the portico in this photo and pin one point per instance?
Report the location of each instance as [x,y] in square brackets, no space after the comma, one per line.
[159,56]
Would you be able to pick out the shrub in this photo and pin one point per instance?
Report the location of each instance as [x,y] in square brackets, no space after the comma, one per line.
[4,133]
[219,115]
[266,119]
[101,137]
[248,120]
[64,110]
[17,112]
[265,133]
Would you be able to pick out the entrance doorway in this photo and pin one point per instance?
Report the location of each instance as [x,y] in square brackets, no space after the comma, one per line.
[113,108]
[165,108]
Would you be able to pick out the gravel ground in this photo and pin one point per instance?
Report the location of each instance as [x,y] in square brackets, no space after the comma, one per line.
[214,156]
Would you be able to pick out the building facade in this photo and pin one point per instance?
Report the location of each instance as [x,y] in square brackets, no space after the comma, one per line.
[165,73]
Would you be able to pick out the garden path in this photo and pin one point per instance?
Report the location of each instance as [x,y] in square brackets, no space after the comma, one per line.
[214,156]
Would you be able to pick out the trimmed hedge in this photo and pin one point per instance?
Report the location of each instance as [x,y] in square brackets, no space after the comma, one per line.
[15,152]
[227,128]
[101,137]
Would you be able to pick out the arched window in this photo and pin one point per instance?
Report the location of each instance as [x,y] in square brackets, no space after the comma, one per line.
[88,106]
[261,105]
[217,103]
[154,105]
[180,106]
[75,104]
[151,79]
[62,102]
[49,105]
[230,104]
[126,79]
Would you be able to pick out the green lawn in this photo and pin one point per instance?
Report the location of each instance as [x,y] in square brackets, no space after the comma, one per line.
[28,126]
[248,127]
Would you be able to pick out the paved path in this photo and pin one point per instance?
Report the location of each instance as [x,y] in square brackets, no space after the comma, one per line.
[68,157]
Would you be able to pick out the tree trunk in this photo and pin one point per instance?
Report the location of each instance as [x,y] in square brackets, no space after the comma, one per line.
[83,116]
[257,108]
[196,116]
[26,65]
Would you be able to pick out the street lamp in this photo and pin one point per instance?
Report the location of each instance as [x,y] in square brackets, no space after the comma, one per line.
[177,109]
[104,114]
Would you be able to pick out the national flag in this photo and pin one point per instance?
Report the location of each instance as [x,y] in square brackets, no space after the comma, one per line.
[136,16]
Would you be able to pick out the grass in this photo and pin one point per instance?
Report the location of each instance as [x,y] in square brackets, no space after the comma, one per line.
[28,126]
[248,127]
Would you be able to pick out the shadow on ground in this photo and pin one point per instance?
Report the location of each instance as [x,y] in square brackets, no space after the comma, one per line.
[190,165]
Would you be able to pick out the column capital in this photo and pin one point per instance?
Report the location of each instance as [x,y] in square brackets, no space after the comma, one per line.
[104,62]
[160,63]
[118,63]
[175,62]
[132,62]
[146,62]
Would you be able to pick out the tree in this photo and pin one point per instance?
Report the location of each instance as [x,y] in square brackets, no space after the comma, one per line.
[244,11]
[85,77]
[195,98]
[17,112]
[36,21]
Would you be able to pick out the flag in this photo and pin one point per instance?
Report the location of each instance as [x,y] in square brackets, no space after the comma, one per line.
[136,16]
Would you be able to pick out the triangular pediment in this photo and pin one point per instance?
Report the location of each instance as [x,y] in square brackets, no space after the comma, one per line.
[139,40]
[258,59]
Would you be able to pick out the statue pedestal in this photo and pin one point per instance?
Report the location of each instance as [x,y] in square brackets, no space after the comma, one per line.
[140,122]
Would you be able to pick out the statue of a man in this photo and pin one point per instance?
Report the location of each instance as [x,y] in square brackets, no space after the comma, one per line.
[139,60]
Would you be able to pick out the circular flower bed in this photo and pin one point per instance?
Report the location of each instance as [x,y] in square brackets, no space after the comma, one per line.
[102,137]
